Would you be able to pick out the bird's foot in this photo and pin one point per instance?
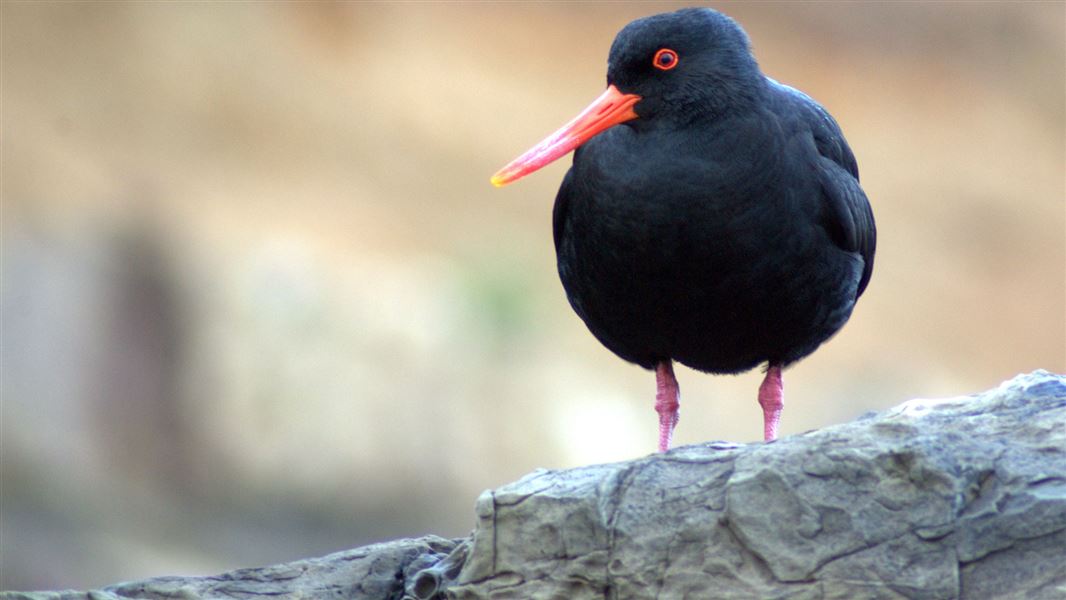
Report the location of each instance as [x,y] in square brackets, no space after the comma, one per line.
[667,402]
[771,398]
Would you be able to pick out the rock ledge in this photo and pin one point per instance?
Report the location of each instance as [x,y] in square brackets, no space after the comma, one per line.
[956,498]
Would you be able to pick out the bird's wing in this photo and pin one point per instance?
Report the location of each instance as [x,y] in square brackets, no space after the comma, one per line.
[847,215]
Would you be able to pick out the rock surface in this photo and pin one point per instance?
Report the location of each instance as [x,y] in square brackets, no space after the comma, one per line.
[956,498]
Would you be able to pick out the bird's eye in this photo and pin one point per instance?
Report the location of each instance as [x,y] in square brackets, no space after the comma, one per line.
[665,59]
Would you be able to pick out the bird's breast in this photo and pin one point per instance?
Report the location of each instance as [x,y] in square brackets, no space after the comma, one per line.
[691,256]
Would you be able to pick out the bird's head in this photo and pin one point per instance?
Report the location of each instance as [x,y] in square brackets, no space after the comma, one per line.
[671,68]
[688,64]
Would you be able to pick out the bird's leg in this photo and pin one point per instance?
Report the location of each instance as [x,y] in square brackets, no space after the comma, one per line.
[667,396]
[771,398]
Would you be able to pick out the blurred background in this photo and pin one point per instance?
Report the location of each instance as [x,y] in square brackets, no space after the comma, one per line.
[260,301]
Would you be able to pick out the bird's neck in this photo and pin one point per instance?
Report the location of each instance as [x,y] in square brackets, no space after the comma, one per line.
[721,101]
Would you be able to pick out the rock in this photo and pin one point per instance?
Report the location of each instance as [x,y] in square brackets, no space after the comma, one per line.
[956,498]
[378,571]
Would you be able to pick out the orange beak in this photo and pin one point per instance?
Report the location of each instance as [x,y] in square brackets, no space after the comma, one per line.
[611,108]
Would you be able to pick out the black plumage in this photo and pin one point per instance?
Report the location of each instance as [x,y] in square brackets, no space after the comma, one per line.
[723,225]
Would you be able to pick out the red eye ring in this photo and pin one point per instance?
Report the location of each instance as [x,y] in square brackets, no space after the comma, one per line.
[665,59]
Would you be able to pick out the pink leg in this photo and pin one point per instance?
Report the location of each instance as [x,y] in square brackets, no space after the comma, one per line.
[771,397]
[667,396]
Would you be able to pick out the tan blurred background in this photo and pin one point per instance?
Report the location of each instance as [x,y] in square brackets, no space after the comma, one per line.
[260,301]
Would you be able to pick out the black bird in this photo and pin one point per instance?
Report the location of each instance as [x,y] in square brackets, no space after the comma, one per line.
[712,215]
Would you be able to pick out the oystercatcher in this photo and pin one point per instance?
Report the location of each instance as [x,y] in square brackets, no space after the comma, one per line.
[712,216]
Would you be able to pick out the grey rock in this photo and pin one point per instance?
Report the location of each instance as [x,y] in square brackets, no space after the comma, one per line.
[956,498]
[375,572]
